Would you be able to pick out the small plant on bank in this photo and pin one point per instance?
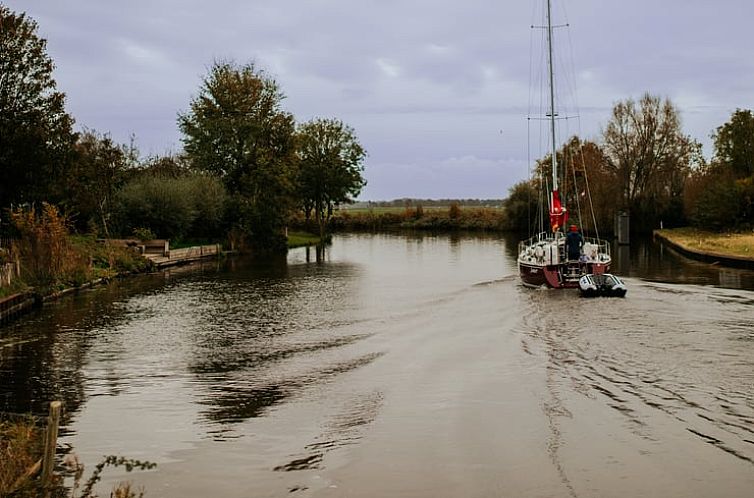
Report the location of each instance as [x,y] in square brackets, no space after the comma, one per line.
[20,447]
[122,490]
[144,234]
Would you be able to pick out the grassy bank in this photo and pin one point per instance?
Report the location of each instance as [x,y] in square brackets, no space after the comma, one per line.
[302,239]
[726,243]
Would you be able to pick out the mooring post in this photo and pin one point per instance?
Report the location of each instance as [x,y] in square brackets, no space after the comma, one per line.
[51,442]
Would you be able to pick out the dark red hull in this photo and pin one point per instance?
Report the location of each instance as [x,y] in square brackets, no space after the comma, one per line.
[553,275]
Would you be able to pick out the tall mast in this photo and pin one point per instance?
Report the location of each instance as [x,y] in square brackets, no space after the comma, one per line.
[552,97]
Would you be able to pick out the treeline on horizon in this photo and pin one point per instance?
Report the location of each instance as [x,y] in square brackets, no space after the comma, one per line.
[410,201]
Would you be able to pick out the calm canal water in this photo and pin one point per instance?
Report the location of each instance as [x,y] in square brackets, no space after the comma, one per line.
[402,365]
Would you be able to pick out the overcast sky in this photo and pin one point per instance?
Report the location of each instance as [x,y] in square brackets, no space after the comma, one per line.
[437,90]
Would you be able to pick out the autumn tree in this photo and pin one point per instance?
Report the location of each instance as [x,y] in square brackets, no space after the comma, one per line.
[522,206]
[237,130]
[649,156]
[721,195]
[330,167]
[97,169]
[734,144]
[35,130]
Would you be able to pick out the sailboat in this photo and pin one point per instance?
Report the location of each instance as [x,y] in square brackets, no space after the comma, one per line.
[546,259]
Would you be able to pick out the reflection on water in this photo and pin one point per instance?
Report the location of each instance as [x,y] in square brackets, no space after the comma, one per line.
[346,366]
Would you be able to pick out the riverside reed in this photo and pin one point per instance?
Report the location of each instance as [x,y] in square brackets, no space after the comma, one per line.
[20,448]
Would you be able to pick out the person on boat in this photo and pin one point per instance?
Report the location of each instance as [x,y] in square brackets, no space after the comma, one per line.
[574,242]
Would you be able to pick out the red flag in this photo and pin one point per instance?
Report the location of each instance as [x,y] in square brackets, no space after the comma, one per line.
[558,213]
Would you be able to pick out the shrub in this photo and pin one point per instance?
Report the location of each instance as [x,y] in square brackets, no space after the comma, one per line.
[47,257]
[172,207]
[455,211]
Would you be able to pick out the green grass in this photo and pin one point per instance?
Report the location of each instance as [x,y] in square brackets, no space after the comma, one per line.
[302,239]
[739,244]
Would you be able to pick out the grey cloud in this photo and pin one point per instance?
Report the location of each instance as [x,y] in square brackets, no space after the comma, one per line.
[451,76]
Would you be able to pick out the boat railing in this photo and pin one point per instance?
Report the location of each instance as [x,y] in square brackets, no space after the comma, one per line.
[593,248]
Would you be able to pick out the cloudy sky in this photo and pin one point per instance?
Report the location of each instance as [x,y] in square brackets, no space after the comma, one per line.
[437,90]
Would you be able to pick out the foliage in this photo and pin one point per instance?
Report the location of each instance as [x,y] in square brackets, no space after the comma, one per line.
[170,166]
[47,258]
[20,447]
[721,195]
[109,258]
[236,130]
[734,144]
[143,234]
[588,187]
[35,130]
[454,211]
[473,218]
[330,167]
[522,206]
[123,490]
[97,170]
[51,259]
[172,207]
[649,157]
[21,443]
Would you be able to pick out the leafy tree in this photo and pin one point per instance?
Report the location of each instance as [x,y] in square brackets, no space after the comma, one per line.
[734,144]
[649,156]
[236,130]
[172,166]
[35,130]
[330,167]
[522,206]
[716,200]
[97,170]
[587,184]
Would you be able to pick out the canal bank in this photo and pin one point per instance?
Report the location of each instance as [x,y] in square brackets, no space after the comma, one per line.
[16,305]
[704,248]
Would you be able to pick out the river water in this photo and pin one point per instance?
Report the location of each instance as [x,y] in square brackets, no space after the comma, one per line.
[402,365]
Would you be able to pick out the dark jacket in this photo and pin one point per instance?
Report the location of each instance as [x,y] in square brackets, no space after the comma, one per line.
[574,241]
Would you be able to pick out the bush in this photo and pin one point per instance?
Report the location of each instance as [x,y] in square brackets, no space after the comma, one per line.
[717,200]
[455,211]
[172,207]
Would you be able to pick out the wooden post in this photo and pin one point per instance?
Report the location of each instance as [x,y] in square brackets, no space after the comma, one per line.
[51,442]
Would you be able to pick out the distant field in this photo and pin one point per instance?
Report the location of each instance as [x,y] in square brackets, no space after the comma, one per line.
[736,244]
[401,209]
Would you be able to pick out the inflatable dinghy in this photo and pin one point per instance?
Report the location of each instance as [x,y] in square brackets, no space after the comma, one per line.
[601,285]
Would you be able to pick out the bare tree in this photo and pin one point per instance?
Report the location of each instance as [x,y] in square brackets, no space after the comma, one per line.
[649,156]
